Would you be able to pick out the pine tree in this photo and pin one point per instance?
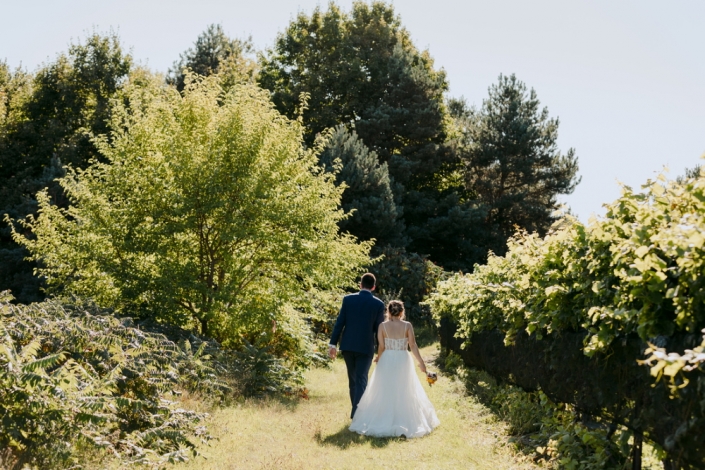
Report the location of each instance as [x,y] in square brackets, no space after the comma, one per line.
[369,189]
[454,234]
[214,53]
[512,163]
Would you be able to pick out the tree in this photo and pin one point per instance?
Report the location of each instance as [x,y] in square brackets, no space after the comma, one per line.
[694,172]
[68,101]
[363,68]
[407,276]
[214,53]
[47,119]
[17,273]
[206,212]
[446,221]
[512,163]
[454,234]
[368,192]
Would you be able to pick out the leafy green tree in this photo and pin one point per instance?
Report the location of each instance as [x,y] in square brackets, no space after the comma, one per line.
[368,193]
[14,89]
[512,163]
[206,211]
[69,101]
[214,53]
[363,68]
[46,120]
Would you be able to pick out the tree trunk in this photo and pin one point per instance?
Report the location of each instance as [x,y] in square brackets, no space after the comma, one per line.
[636,451]
[668,464]
[204,327]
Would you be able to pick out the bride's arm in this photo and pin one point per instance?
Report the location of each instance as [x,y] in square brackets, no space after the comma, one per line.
[380,343]
[415,348]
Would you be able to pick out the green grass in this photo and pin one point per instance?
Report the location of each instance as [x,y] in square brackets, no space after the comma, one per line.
[313,434]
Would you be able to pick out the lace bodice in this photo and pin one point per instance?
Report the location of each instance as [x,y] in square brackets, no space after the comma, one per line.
[400,344]
[395,344]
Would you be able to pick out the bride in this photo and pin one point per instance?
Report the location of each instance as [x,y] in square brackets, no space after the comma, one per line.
[394,403]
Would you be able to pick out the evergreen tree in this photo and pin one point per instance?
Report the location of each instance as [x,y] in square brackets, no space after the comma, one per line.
[460,112]
[694,172]
[368,191]
[512,163]
[214,53]
[446,221]
[453,233]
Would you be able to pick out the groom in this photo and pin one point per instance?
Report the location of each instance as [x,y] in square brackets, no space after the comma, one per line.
[359,317]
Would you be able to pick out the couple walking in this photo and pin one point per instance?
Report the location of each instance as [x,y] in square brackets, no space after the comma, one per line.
[394,404]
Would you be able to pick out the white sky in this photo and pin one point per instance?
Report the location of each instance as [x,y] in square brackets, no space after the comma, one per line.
[626,78]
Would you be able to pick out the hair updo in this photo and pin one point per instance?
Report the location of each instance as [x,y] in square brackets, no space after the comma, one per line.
[395,308]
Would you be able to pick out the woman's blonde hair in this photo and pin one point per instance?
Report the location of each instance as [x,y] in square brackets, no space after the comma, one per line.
[395,308]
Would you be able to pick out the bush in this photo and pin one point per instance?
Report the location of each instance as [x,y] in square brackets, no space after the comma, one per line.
[550,433]
[580,307]
[409,277]
[75,377]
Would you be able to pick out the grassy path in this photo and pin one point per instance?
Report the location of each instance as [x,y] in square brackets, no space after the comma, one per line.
[313,434]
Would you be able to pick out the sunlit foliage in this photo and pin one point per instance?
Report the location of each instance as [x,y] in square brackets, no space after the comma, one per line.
[206,212]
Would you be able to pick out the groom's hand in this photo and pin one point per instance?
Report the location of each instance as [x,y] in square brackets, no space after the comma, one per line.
[332,352]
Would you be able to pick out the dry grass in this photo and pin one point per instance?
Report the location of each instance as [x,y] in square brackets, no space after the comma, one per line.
[313,434]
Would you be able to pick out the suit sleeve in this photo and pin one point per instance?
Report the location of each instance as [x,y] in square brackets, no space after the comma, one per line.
[380,318]
[339,325]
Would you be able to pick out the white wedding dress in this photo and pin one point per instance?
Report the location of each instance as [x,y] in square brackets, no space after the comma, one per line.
[394,402]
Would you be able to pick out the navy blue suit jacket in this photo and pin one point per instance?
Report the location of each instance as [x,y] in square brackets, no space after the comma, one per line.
[358,320]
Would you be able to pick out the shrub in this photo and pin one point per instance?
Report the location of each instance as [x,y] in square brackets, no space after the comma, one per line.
[73,376]
[409,277]
[551,433]
[581,306]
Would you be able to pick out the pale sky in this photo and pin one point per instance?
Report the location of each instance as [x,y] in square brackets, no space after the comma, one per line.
[626,78]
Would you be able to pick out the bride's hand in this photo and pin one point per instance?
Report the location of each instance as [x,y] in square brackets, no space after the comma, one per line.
[422,367]
[376,359]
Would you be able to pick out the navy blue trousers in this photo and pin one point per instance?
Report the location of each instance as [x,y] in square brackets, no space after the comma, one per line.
[358,365]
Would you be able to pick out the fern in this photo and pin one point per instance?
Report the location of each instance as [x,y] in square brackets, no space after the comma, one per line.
[73,375]
[69,375]
[41,365]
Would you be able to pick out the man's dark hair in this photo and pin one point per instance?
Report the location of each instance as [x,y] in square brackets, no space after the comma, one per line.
[368,281]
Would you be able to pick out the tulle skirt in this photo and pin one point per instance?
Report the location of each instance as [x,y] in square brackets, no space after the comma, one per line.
[394,402]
